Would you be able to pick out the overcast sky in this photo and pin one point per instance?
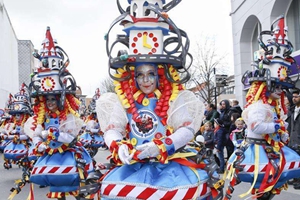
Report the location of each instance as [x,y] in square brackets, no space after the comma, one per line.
[79,26]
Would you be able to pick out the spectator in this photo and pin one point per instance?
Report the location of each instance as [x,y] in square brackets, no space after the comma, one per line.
[212,113]
[233,118]
[226,112]
[208,135]
[238,135]
[294,129]
[294,120]
[220,132]
[236,107]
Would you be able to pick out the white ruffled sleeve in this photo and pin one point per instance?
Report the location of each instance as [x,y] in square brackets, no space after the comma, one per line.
[110,113]
[112,117]
[185,116]
[72,125]
[186,109]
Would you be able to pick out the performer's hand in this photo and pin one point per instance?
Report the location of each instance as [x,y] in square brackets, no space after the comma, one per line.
[286,125]
[284,137]
[123,154]
[147,150]
[42,147]
[45,134]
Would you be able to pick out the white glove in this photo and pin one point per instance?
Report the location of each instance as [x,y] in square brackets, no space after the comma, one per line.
[286,125]
[45,134]
[65,137]
[4,136]
[123,154]
[147,150]
[42,147]
[284,137]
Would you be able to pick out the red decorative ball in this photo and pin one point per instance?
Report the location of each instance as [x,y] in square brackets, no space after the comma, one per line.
[168,141]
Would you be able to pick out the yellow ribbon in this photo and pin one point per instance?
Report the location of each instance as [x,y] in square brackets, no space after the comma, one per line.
[256,168]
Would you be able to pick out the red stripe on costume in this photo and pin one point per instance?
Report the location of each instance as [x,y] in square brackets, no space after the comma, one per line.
[67,170]
[169,195]
[146,193]
[108,189]
[54,169]
[190,193]
[292,165]
[204,189]
[125,190]
[42,170]
[34,170]
[251,169]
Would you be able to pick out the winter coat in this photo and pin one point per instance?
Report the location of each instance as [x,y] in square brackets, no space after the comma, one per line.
[209,139]
[293,127]
[220,137]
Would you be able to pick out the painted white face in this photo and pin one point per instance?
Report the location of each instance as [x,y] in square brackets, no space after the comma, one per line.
[277,93]
[51,103]
[18,116]
[146,78]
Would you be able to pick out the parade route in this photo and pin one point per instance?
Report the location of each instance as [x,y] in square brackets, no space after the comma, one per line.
[9,176]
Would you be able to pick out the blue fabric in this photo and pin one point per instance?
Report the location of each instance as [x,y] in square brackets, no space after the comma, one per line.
[4,143]
[85,139]
[59,182]
[31,155]
[146,132]
[156,174]
[15,156]
[99,141]
[250,155]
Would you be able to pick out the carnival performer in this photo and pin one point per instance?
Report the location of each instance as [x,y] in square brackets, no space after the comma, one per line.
[63,161]
[151,118]
[263,159]
[20,111]
[5,119]
[92,138]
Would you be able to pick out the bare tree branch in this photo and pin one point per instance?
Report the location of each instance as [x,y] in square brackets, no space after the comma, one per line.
[206,61]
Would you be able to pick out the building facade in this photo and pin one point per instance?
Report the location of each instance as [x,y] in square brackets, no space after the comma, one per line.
[249,18]
[25,60]
[9,80]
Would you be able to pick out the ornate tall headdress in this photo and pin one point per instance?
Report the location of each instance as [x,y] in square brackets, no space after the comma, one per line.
[146,23]
[52,76]
[274,63]
[92,105]
[20,103]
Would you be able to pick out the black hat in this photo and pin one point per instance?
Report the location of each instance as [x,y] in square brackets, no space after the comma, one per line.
[219,122]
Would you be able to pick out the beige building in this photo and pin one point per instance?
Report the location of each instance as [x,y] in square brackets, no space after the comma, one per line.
[249,18]
[9,81]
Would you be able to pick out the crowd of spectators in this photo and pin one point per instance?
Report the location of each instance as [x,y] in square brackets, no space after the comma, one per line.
[217,126]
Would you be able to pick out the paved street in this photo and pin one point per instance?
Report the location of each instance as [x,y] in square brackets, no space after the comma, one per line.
[8,177]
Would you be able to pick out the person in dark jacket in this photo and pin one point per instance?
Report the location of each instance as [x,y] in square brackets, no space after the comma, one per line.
[212,113]
[293,121]
[226,111]
[220,135]
[236,107]
[208,135]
